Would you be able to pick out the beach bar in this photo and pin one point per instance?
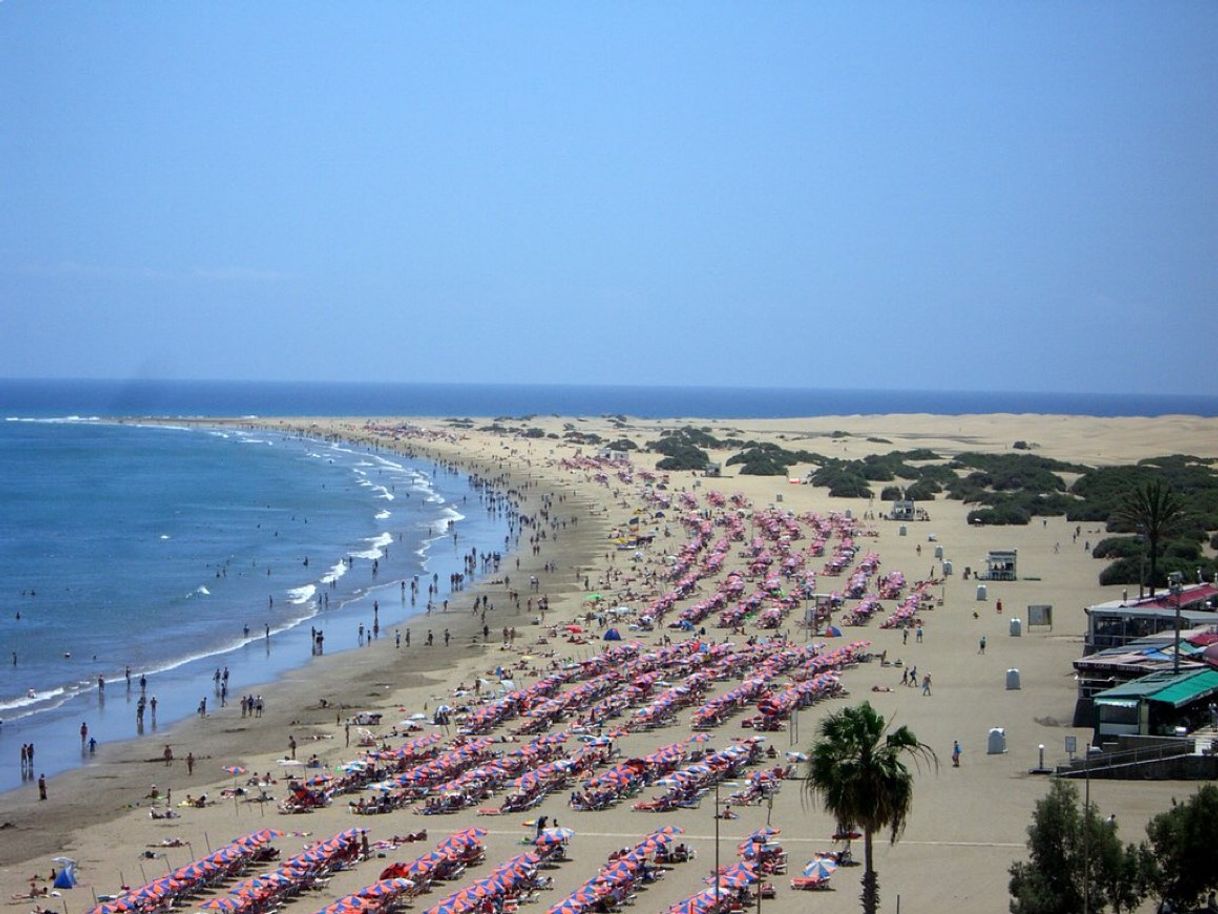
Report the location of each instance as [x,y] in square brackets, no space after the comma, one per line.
[1119,622]
[1001,565]
[1156,705]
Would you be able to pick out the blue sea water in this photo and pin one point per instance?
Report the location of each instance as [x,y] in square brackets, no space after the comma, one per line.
[153,547]
[231,398]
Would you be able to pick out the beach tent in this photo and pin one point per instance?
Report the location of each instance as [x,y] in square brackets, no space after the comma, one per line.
[66,878]
[613,635]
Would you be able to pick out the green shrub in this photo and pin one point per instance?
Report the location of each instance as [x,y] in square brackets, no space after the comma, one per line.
[1118,547]
[1003,515]
[923,490]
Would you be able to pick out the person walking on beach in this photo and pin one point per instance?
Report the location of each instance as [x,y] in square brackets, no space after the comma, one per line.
[84,733]
[926,684]
[431,639]
[292,746]
[190,763]
[42,786]
[981,648]
[446,637]
[955,753]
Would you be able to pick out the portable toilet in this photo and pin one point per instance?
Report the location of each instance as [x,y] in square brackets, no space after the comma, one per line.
[997,742]
[902,530]
[1016,626]
[982,592]
[1012,680]
[938,552]
[947,568]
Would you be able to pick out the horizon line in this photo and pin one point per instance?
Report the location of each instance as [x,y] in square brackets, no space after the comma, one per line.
[594,386]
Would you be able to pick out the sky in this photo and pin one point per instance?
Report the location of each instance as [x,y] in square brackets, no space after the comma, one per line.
[943,196]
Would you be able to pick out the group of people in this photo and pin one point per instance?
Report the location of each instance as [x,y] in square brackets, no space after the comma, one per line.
[27,769]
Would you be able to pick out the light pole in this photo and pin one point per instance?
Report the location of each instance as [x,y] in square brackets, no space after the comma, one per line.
[1087,834]
[716,873]
[1175,583]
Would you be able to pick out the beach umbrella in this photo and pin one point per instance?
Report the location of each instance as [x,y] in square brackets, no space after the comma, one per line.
[348,905]
[225,903]
[820,868]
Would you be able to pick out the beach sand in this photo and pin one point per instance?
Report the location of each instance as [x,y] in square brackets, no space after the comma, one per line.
[968,824]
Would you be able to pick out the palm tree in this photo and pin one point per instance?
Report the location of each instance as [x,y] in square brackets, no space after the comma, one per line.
[1155,511]
[858,775]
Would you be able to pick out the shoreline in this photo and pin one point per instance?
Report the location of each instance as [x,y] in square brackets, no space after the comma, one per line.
[350,675]
[976,814]
[182,674]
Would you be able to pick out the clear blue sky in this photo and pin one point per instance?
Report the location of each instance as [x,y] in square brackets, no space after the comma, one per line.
[987,196]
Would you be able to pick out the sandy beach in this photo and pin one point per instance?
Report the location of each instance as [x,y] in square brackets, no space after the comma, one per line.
[969,823]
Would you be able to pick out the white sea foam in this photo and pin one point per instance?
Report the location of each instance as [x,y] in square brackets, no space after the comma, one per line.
[164,536]
[298,595]
[382,515]
[384,493]
[203,591]
[339,569]
[391,464]
[378,544]
[39,697]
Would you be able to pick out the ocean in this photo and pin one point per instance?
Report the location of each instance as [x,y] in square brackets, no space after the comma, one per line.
[232,398]
[154,548]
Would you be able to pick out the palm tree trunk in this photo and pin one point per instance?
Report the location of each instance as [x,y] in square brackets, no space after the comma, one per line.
[871,887]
